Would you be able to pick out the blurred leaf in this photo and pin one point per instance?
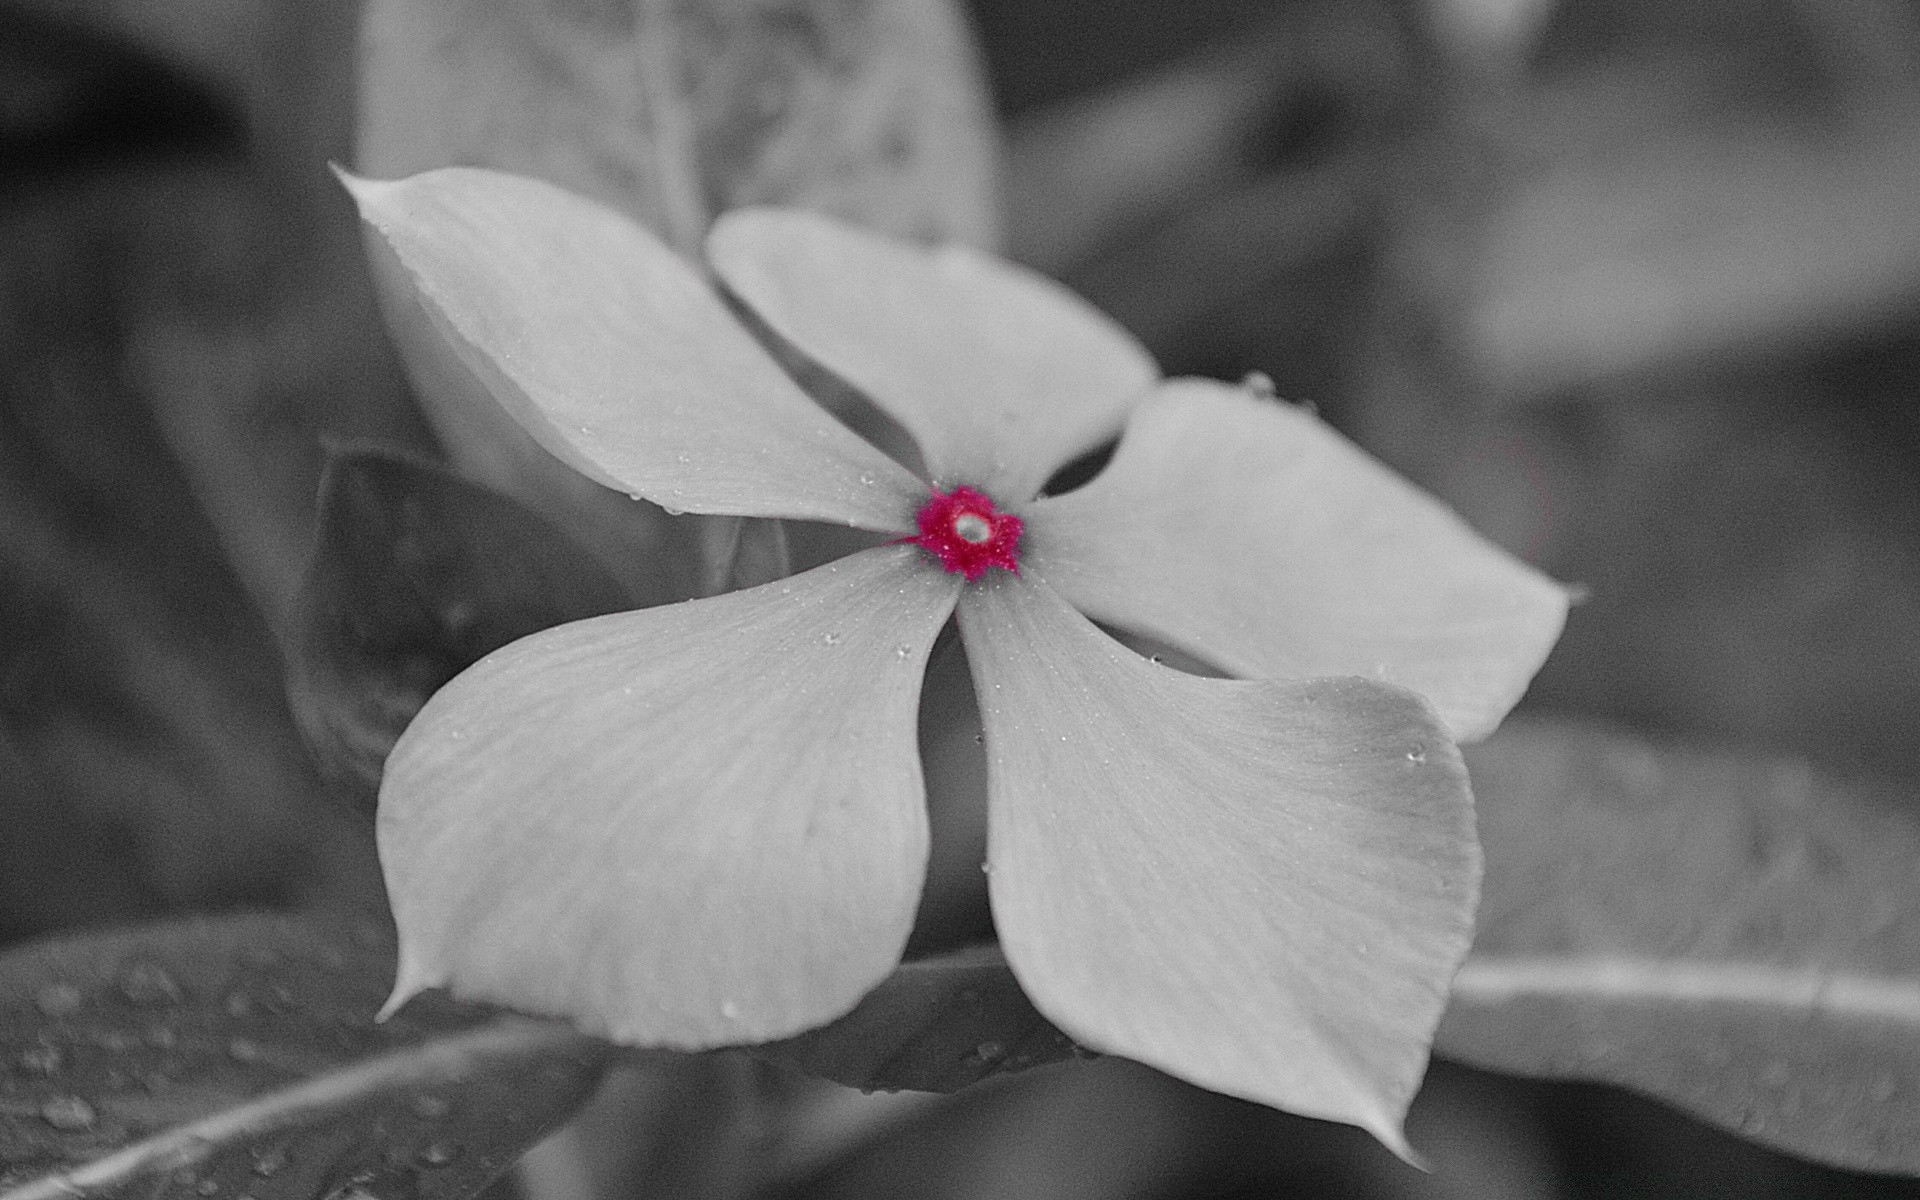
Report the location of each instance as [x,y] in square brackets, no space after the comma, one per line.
[935,1025]
[416,575]
[238,1056]
[673,112]
[1737,935]
[139,687]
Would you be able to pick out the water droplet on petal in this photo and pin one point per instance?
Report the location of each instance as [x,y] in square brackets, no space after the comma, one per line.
[903,652]
[239,1004]
[729,1010]
[244,1050]
[832,639]
[866,477]
[68,1113]
[1417,755]
[988,1051]
[206,1187]
[57,999]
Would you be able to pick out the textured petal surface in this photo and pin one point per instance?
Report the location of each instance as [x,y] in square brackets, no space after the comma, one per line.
[1000,374]
[618,358]
[1250,533]
[694,825]
[1261,887]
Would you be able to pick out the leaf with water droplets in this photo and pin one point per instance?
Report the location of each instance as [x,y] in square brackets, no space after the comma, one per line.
[415,576]
[238,1056]
[935,1025]
[1739,935]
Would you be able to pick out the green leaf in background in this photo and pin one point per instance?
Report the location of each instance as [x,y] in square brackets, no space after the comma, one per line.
[673,112]
[1737,935]
[238,1056]
[935,1025]
[140,690]
[416,575]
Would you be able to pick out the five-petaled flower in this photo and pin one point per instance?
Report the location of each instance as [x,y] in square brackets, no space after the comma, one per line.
[703,824]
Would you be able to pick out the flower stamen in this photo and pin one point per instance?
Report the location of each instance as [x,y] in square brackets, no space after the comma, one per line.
[968,533]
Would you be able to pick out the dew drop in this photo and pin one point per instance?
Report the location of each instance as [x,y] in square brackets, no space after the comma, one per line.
[268,1163]
[1417,755]
[206,1187]
[866,477]
[439,1154]
[988,1051]
[429,1107]
[1260,384]
[162,1038]
[903,652]
[671,511]
[43,1059]
[57,999]
[239,1004]
[832,639]
[683,458]
[729,1010]
[68,1113]
[986,868]
[244,1050]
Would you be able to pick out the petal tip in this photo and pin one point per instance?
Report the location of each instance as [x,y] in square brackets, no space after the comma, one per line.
[410,979]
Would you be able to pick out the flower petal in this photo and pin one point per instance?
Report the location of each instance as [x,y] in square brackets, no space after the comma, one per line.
[615,355]
[1261,887]
[695,825]
[1001,375]
[1249,533]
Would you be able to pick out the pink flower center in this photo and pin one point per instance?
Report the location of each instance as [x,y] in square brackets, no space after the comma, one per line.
[964,530]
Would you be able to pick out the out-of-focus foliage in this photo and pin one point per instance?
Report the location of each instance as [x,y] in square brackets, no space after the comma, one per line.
[237,1056]
[1735,934]
[416,574]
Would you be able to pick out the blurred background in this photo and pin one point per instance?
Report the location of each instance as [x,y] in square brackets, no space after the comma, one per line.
[1634,284]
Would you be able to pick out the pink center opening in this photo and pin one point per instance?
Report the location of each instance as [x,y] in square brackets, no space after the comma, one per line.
[964,530]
